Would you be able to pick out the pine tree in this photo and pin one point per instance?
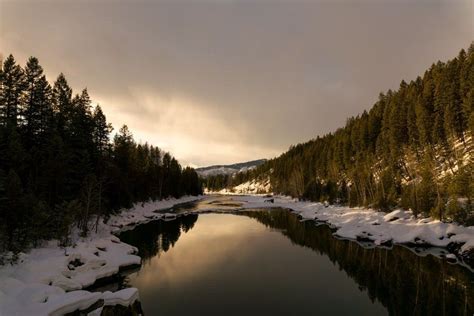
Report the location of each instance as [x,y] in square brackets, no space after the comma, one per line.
[454,120]
[81,131]
[11,92]
[122,177]
[37,108]
[467,87]
[101,130]
[62,104]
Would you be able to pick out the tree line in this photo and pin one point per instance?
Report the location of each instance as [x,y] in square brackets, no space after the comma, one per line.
[59,167]
[217,182]
[413,149]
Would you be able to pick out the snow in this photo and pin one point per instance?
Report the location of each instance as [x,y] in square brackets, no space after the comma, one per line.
[48,280]
[123,297]
[253,187]
[217,171]
[229,169]
[45,281]
[397,227]
[223,171]
[392,216]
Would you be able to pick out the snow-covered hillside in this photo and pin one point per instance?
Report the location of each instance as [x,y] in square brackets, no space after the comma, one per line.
[229,169]
[253,187]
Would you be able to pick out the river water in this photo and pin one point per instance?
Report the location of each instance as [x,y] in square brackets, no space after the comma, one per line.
[267,262]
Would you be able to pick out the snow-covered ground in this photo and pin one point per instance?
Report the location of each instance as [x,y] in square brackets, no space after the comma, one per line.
[48,280]
[397,227]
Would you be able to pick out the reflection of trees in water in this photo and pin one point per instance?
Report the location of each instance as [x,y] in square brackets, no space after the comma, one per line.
[155,237]
[406,284]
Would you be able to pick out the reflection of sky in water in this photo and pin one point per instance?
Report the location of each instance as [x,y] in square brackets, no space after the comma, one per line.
[218,203]
[234,265]
[197,251]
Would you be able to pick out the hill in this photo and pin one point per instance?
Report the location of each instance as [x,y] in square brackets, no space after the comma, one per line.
[413,149]
[229,169]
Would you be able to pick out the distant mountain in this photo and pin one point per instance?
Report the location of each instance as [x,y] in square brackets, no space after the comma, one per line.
[229,169]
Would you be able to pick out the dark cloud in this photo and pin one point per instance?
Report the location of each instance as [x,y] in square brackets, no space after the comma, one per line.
[224,81]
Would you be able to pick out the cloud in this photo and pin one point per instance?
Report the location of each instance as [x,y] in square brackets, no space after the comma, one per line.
[220,82]
[184,127]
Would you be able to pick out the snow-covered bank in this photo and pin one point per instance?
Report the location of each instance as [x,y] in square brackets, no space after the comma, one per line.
[397,227]
[48,280]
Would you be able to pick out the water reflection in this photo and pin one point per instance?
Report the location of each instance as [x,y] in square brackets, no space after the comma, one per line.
[242,264]
[158,236]
[403,282]
[216,203]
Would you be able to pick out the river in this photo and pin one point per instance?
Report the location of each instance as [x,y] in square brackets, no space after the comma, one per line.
[268,262]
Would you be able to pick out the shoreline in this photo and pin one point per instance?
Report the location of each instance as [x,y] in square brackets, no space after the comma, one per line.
[47,282]
[371,228]
[398,227]
[50,280]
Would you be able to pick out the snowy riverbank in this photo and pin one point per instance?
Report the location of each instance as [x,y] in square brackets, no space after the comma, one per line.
[379,228]
[45,281]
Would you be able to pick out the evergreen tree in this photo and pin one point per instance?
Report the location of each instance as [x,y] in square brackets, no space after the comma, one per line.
[12,88]
[62,104]
[101,130]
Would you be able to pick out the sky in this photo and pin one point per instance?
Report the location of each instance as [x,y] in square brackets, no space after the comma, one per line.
[218,82]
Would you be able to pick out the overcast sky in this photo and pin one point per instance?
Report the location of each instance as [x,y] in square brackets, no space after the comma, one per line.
[229,81]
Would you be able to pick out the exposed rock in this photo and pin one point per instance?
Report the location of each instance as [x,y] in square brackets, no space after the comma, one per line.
[135,309]
[93,307]
[468,257]
[73,264]
[119,310]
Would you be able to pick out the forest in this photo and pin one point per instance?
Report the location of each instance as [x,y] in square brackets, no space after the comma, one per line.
[60,167]
[413,149]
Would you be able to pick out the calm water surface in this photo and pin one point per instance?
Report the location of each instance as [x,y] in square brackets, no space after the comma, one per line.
[269,263]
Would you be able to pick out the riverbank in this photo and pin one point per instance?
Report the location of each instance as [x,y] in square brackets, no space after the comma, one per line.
[379,228]
[49,280]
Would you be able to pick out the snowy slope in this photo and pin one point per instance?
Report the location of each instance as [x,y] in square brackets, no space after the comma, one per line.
[250,187]
[229,169]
